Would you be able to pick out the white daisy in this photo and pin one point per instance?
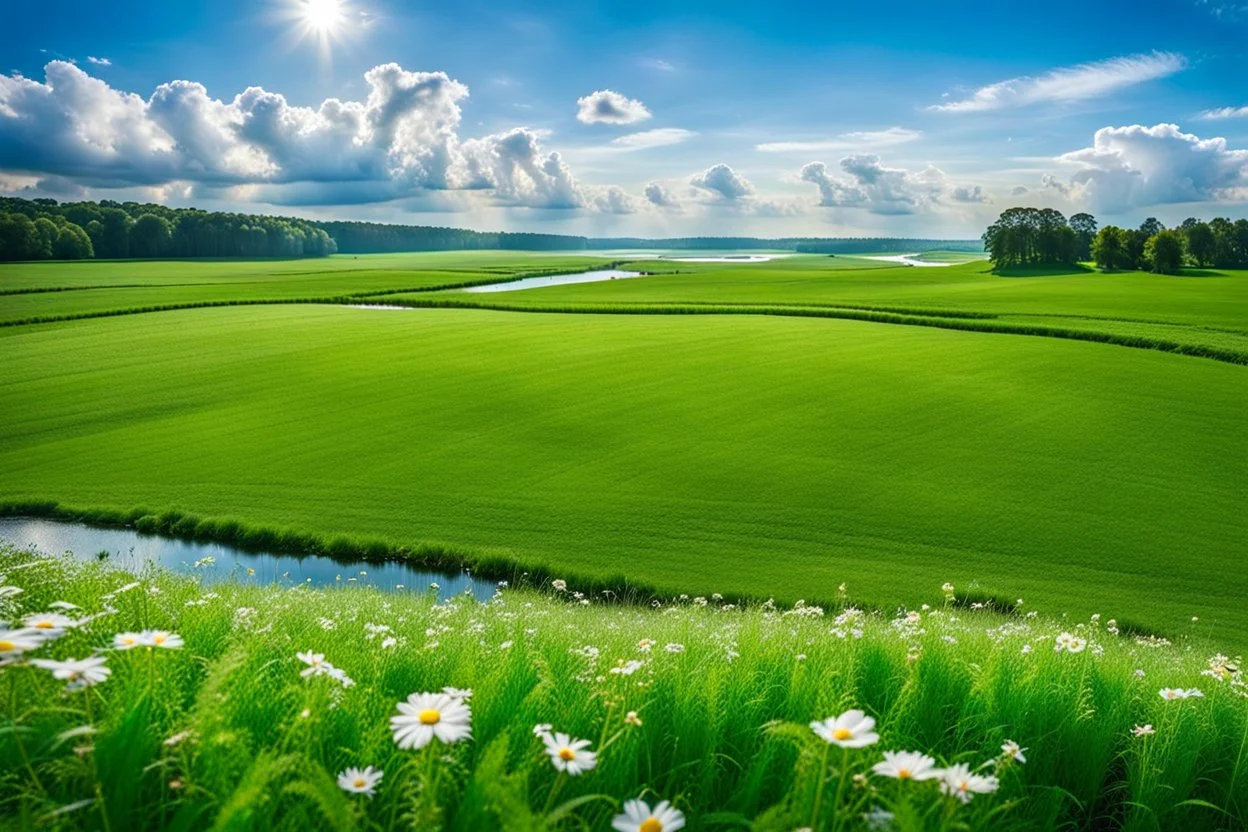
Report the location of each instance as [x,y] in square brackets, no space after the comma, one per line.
[316,664]
[907,765]
[1170,694]
[542,728]
[1012,750]
[852,729]
[52,624]
[80,673]
[1146,730]
[127,641]
[360,780]
[639,817]
[567,754]
[16,642]
[463,694]
[962,783]
[427,715]
[161,638]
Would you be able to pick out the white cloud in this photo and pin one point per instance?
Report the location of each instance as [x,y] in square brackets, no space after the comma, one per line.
[91,59]
[400,142]
[723,182]
[661,197]
[660,137]
[859,140]
[880,189]
[609,107]
[1223,113]
[613,200]
[1137,166]
[1074,83]
[969,193]
[659,64]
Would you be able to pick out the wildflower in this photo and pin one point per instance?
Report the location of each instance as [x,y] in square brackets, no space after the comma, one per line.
[388,642]
[542,728]
[52,624]
[462,694]
[644,645]
[1139,673]
[567,754]
[305,713]
[161,638]
[631,718]
[1012,751]
[506,645]
[16,642]
[627,668]
[316,664]
[178,738]
[852,729]
[560,584]
[207,560]
[675,648]
[638,817]
[427,715]
[1026,649]
[907,765]
[962,783]
[1145,730]
[339,675]
[1170,694]
[80,673]
[360,780]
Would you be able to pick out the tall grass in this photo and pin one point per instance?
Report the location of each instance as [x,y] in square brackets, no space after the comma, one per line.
[226,733]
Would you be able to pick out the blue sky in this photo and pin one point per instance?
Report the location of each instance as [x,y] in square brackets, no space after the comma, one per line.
[694,118]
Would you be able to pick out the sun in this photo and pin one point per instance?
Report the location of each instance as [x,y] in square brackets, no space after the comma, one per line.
[322,17]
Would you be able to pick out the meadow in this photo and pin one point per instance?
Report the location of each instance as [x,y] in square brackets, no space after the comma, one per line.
[779,450]
[272,707]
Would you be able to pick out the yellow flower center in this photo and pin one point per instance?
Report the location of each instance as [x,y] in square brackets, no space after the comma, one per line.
[44,625]
[128,640]
[7,646]
[430,717]
[360,783]
[963,786]
[903,774]
[842,734]
[159,638]
[567,754]
[650,825]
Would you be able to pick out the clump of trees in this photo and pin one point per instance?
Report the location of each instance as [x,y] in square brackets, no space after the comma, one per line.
[1220,242]
[1024,236]
[43,229]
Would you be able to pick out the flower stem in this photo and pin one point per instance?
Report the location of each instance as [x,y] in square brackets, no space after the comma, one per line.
[823,776]
[841,778]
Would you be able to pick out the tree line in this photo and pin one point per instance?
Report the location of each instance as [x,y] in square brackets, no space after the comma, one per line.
[43,229]
[1023,236]
[378,238]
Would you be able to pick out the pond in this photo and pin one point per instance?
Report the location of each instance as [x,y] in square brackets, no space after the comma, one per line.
[216,562]
[554,280]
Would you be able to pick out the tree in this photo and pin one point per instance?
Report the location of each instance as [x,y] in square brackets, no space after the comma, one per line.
[114,239]
[18,238]
[1084,226]
[1151,226]
[73,244]
[1201,243]
[1109,248]
[48,235]
[1030,235]
[1164,252]
[150,236]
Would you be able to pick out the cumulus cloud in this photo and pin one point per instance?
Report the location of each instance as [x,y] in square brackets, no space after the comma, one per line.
[1137,166]
[401,141]
[722,182]
[877,188]
[1074,83]
[858,140]
[969,193]
[613,200]
[91,59]
[661,197]
[647,139]
[1224,113]
[609,107]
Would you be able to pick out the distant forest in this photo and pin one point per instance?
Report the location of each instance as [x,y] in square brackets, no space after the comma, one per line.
[44,229]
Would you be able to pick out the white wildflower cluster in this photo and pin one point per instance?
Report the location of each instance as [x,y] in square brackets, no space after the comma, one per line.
[317,666]
[1223,669]
[1069,643]
[801,610]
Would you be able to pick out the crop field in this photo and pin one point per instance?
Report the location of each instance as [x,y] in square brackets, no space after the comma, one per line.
[780,450]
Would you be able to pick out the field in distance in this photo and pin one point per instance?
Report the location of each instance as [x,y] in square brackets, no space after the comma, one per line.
[739,453]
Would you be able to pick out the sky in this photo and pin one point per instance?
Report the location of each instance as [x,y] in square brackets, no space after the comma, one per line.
[634,118]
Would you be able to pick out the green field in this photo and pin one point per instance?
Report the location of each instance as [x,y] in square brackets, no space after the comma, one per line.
[760,454]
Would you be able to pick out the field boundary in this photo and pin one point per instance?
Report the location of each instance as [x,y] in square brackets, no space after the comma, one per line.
[989,325]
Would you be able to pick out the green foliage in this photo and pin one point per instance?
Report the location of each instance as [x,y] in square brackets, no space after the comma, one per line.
[1164,252]
[1032,235]
[1109,249]
[225,732]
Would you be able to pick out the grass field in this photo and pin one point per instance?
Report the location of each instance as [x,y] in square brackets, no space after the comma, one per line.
[226,726]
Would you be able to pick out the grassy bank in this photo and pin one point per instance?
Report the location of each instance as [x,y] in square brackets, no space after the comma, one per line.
[227,731]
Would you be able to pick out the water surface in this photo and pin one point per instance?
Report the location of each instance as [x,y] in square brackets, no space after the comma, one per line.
[133,551]
[554,280]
